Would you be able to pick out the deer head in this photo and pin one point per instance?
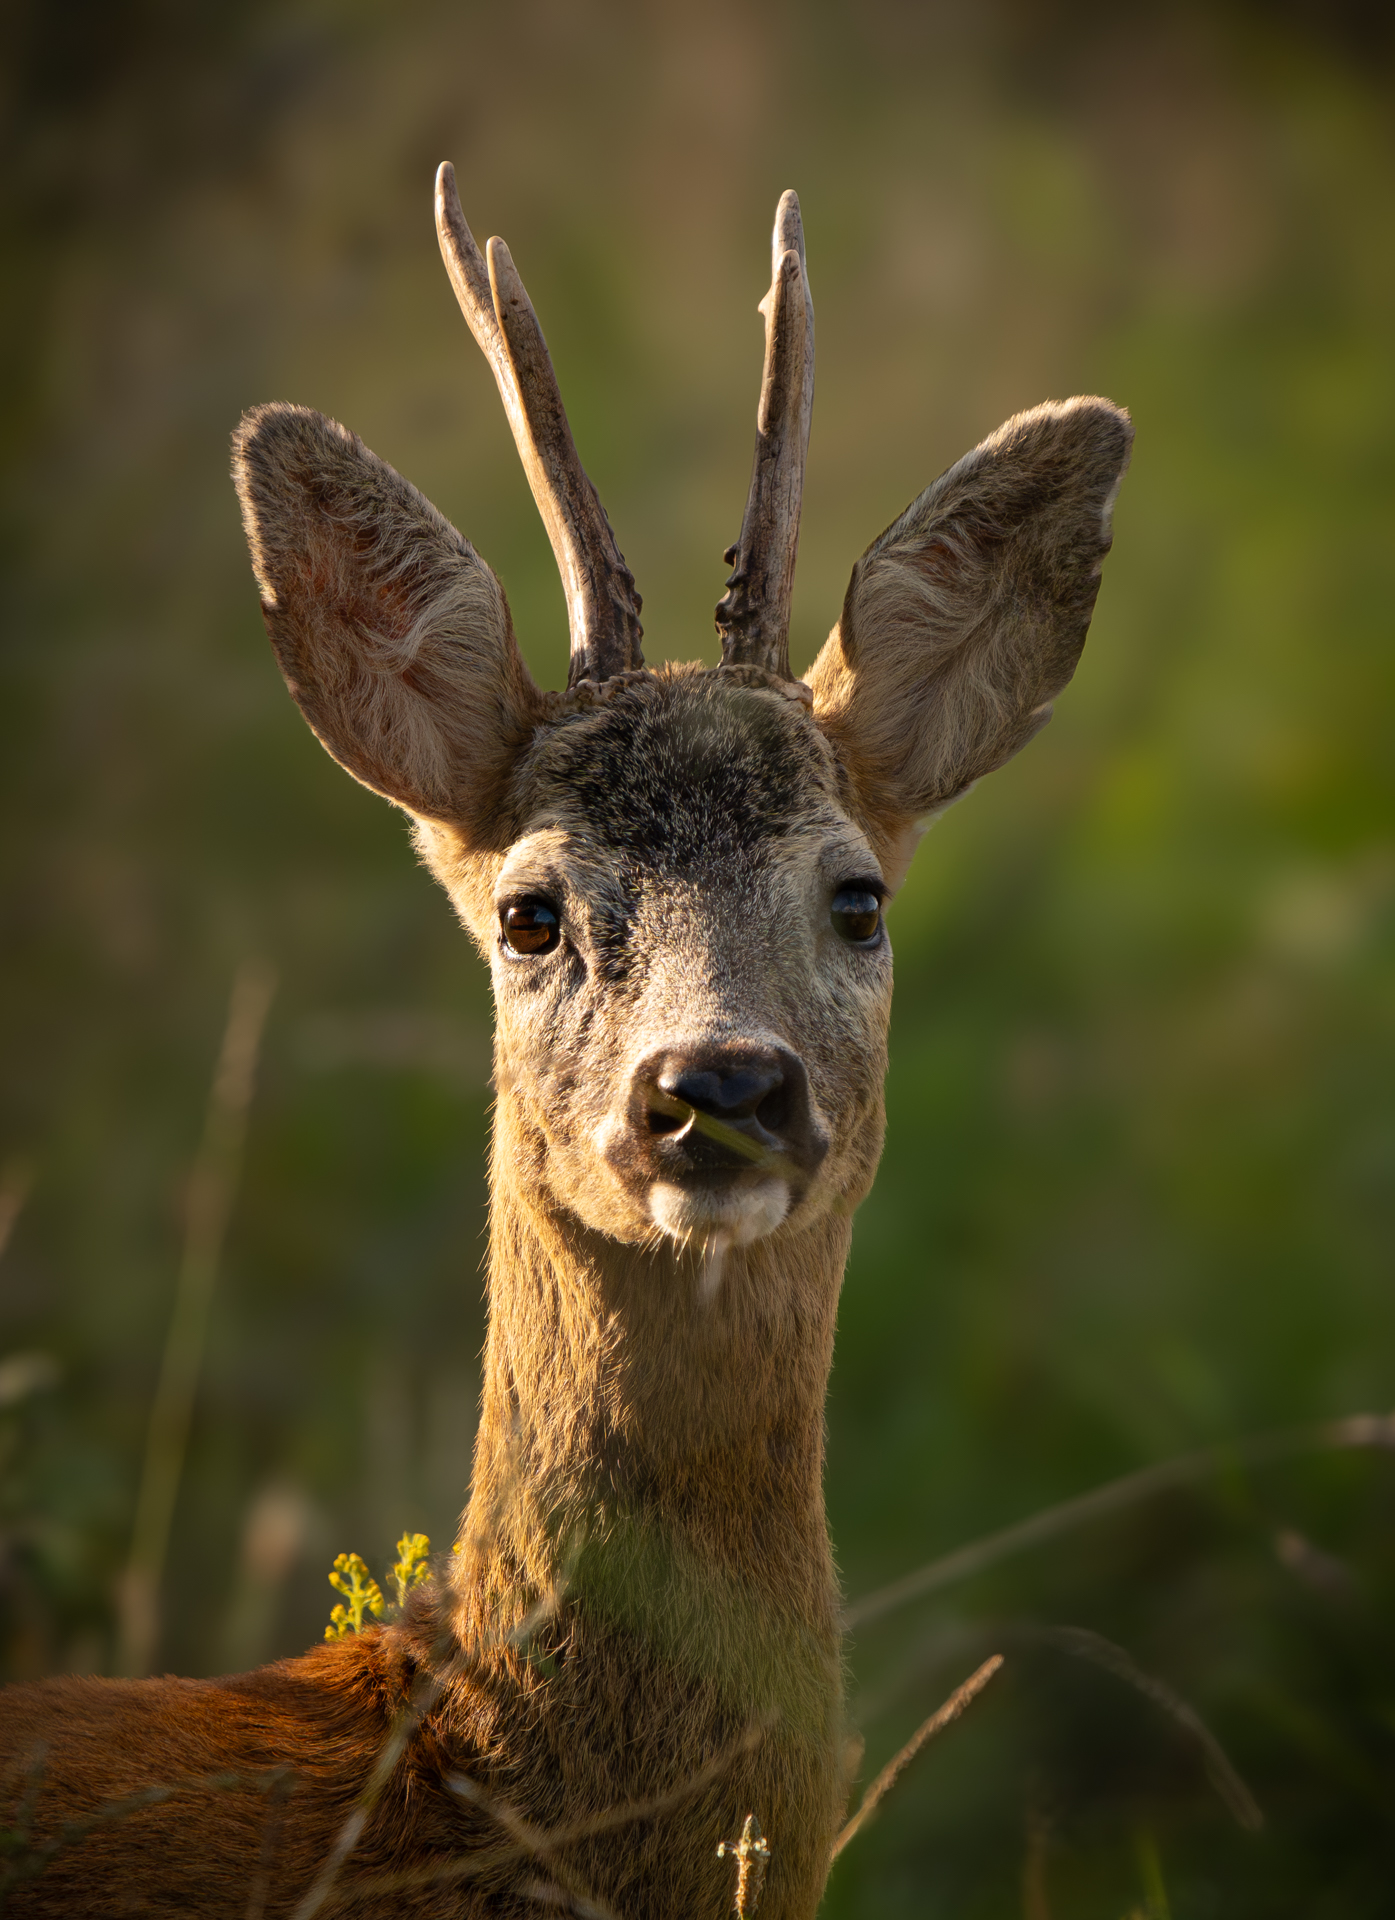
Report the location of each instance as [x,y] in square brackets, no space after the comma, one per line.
[678,876]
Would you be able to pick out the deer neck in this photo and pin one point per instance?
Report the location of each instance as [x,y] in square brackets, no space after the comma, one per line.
[642,1408]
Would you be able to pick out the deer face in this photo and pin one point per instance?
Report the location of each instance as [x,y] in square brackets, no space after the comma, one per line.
[678,876]
[691,974]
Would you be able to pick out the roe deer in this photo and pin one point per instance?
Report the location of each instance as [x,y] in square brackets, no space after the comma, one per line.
[678,878]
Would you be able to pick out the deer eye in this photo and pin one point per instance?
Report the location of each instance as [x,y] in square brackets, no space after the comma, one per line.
[530,926]
[856,914]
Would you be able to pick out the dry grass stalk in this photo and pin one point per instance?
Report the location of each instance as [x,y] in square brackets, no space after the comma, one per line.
[212,1191]
[752,1857]
[15,1183]
[29,1862]
[527,1840]
[1036,1904]
[942,1717]
[1086,1645]
[1356,1431]
[425,1694]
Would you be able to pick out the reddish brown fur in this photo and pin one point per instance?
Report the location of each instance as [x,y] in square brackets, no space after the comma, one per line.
[643,1603]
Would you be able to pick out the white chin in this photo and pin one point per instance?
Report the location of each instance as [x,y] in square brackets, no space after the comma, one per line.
[736,1217]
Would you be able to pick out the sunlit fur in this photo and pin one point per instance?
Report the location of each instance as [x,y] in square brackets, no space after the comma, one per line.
[393,634]
[966,618]
[644,1593]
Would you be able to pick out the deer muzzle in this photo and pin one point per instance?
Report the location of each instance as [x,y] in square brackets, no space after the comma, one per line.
[720,1137]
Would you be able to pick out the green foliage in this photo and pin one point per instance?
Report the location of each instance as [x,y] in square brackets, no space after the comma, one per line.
[411,1567]
[350,1576]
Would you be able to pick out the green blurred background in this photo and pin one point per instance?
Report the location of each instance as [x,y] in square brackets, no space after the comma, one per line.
[1139,1191]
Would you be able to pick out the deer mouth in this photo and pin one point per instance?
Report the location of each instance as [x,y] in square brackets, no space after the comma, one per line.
[717,1138]
[732,1214]
[719,1179]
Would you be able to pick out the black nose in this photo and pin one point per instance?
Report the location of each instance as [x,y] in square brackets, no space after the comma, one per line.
[717,1107]
[734,1090]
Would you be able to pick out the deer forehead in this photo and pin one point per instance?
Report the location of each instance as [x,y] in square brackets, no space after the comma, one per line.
[682,765]
[680,782]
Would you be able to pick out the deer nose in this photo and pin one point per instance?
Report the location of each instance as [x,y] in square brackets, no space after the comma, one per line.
[721,1106]
[737,1092]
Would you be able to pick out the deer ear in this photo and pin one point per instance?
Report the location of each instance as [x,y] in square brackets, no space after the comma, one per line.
[966,618]
[394,636]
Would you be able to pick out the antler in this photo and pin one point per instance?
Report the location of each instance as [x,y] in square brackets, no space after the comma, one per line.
[602,602]
[753,616]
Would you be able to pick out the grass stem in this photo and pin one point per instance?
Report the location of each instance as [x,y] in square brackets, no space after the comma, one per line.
[212,1191]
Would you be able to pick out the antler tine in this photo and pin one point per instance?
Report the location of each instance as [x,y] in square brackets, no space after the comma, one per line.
[753,616]
[602,602]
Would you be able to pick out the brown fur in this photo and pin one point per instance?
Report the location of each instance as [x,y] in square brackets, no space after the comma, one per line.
[966,618]
[643,1603]
[393,634]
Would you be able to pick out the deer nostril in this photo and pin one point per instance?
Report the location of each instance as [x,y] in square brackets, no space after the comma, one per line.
[736,1094]
[774,1111]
